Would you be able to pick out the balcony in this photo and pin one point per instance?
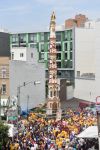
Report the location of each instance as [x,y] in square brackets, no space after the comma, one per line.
[86,76]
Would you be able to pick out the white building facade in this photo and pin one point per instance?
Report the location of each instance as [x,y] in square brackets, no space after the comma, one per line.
[87,62]
[29,75]
[24,54]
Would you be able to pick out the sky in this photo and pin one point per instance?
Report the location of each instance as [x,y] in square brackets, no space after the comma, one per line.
[34,15]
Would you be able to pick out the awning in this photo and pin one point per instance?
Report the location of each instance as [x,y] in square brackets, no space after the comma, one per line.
[12,130]
[85,104]
[90,132]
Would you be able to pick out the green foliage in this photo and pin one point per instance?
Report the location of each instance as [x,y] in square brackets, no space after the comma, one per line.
[3,134]
[39,110]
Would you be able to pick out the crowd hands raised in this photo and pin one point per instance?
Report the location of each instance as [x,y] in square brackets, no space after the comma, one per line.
[38,133]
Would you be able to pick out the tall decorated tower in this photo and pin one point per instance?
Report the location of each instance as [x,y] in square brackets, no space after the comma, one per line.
[53,103]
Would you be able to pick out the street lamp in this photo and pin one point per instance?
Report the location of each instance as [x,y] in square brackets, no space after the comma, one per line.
[18,92]
[98,117]
[18,95]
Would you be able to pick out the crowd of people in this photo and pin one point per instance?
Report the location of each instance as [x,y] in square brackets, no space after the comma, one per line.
[38,133]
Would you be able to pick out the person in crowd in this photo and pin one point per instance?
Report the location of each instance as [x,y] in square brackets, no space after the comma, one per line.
[38,133]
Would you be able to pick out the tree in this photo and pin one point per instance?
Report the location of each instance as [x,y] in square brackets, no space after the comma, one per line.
[3,134]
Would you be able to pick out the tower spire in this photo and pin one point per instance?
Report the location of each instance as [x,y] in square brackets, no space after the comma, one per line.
[53,103]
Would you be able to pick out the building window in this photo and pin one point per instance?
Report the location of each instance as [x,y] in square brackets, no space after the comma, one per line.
[78,73]
[12,56]
[48,46]
[46,37]
[58,36]
[59,73]
[33,45]
[22,38]
[33,37]
[71,46]
[41,56]
[66,36]
[58,46]
[58,56]
[4,72]
[3,88]
[68,64]
[59,64]
[65,56]
[31,55]
[69,33]
[71,55]
[42,36]
[21,55]
[66,46]
[14,45]
[14,38]
[42,48]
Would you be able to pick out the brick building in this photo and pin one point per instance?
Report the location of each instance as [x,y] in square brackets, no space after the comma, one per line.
[78,21]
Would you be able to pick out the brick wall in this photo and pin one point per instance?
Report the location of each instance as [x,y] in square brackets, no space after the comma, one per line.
[78,21]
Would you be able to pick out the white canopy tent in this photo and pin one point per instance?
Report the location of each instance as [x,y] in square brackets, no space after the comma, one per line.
[90,132]
[12,130]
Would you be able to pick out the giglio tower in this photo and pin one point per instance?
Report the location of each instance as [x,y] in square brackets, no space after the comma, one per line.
[53,101]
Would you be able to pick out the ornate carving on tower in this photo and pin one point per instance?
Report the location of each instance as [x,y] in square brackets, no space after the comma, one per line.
[53,102]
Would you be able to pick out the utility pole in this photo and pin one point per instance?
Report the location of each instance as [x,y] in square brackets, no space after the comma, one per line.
[27,105]
[18,104]
[18,99]
[0,102]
